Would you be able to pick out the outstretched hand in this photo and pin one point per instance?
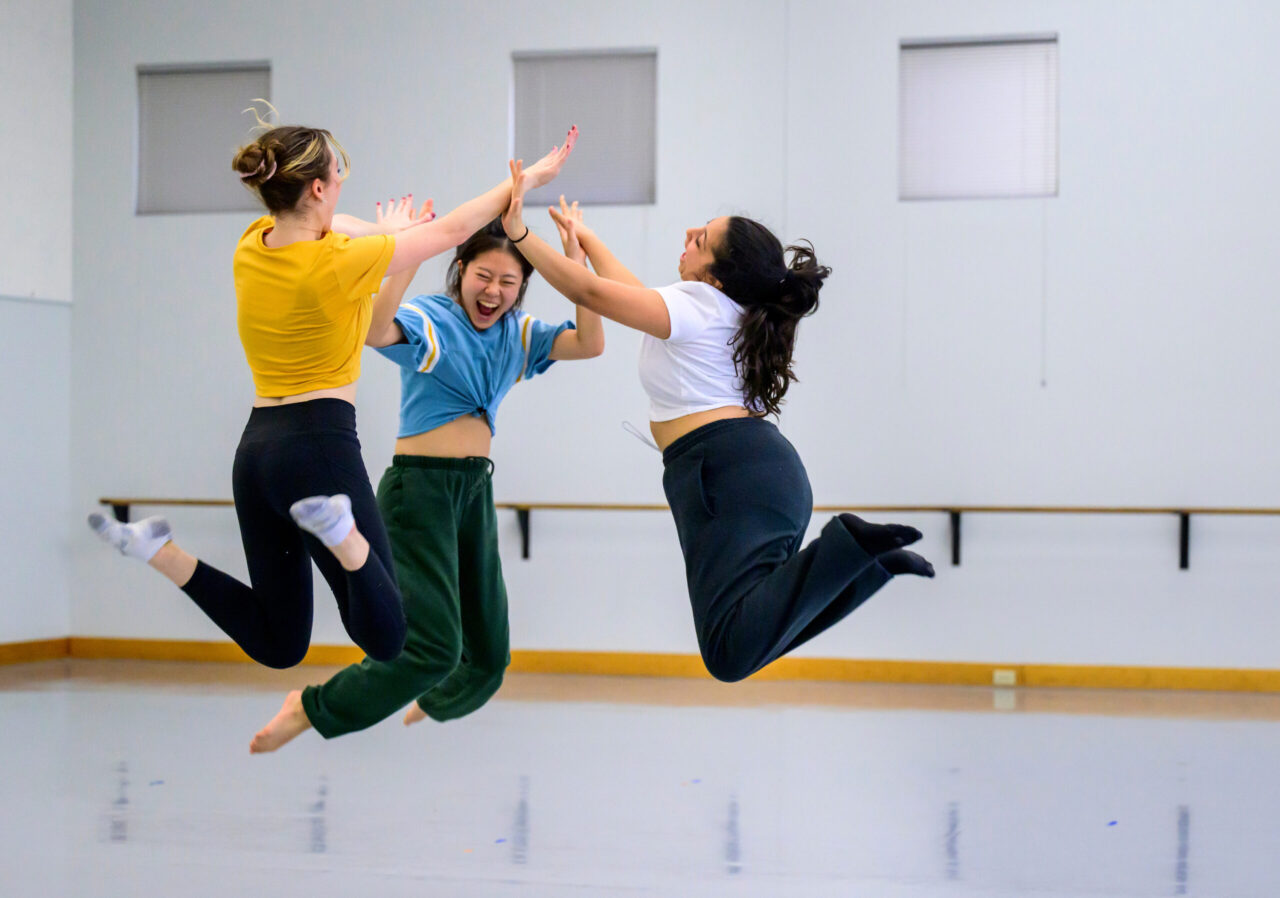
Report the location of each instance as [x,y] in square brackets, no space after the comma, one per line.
[513,218]
[398,216]
[545,169]
[568,221]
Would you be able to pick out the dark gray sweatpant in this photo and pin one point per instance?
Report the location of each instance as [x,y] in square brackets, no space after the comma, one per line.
[741,501]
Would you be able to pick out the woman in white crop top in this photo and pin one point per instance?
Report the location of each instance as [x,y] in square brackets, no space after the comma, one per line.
[716,359]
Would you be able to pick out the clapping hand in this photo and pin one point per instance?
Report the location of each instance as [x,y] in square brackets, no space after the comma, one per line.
[568,221]
[397,216]
[513,218]
[546,168]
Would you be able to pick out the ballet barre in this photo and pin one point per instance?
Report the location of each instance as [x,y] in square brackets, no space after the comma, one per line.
[524,510]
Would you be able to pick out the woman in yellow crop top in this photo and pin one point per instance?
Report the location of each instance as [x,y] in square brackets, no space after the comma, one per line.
[306,281]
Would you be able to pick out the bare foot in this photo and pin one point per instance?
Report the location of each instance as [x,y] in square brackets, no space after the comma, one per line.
[289,722]
[414,715]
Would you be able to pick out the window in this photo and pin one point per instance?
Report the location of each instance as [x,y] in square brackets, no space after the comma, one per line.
[978,118]
[611,97]
[190,122]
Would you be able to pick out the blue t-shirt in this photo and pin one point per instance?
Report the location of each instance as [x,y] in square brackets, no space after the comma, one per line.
[449,369]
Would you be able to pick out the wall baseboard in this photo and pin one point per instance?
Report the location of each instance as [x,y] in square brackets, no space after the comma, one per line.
[940,673]
[34,650]
[653,664]
[194,650]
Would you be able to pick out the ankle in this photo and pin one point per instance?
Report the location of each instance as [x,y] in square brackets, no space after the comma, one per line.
[174,563]
[353,551]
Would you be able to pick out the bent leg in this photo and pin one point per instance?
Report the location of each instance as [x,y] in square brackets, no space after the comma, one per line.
[486,635]
[423,543]
[742,502]
[368,598]
[360,695]
[863,587]
[271,622]
[797,600]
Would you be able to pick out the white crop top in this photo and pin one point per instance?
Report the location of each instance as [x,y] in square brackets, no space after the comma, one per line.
[692,370]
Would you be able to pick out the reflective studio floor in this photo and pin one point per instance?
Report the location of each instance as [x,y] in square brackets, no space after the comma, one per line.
[134,778]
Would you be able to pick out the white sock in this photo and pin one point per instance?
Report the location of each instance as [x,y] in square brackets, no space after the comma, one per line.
[327,517]
[141,540]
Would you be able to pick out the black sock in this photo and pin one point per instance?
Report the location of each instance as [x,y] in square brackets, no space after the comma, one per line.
[878,538]
[900,561]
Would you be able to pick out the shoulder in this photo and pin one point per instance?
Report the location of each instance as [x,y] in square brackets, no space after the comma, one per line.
[431,302]
[259,225]
[696,293]
[371,245]
[531,329]
[516,326]
[694,306]
[428,306]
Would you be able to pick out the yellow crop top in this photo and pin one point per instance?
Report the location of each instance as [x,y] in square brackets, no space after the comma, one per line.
[303,309]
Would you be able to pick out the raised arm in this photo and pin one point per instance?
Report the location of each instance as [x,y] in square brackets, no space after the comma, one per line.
[633,306]
[416,245]
[587,341]
[602,260]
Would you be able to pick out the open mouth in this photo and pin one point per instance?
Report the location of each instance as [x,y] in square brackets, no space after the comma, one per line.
[485,311]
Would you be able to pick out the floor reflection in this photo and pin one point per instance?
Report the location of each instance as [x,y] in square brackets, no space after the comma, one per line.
[119,787]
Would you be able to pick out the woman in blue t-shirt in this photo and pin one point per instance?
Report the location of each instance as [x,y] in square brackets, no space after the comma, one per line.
[459,354]
[716,359]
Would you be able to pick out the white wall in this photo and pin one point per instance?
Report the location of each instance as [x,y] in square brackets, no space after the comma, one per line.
[35,317]
[1107,346]
[35,142]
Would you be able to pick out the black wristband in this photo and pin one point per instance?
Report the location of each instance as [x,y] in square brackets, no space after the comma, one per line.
[522,236]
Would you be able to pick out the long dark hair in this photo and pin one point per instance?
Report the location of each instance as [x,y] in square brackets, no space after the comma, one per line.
[490,237]
[753,271]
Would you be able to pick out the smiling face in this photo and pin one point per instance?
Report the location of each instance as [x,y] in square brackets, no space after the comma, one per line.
[697,256]
[489,286]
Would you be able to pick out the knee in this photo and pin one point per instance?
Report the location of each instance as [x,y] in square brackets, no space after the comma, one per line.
[387,645]
[727,670]
[491,665]
[477,688]
[485,682]
[282,658]
[437,653]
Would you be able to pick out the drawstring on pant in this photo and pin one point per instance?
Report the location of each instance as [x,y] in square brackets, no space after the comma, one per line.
[635,432]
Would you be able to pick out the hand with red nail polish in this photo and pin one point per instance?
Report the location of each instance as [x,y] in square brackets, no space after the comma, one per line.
[545,169]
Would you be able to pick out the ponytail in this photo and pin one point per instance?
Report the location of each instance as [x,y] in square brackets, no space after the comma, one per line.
[751,267]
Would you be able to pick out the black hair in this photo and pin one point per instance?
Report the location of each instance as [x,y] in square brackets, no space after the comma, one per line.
[490,237]
[753,271]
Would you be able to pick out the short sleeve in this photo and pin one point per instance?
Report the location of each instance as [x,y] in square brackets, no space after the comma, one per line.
[361,262]
[423,347]
[692,307]
[537,339]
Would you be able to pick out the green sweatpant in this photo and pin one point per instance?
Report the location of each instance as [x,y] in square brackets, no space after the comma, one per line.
[444,540]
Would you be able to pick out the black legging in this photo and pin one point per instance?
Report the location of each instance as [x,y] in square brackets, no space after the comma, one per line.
[741,500]
[287,453]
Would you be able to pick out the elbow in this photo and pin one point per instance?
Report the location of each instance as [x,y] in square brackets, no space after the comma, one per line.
[591,296]
[380,337]
[595,348]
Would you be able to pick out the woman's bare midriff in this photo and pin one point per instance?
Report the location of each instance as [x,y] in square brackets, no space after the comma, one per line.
[667,432]
[347,394]
[464,437]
